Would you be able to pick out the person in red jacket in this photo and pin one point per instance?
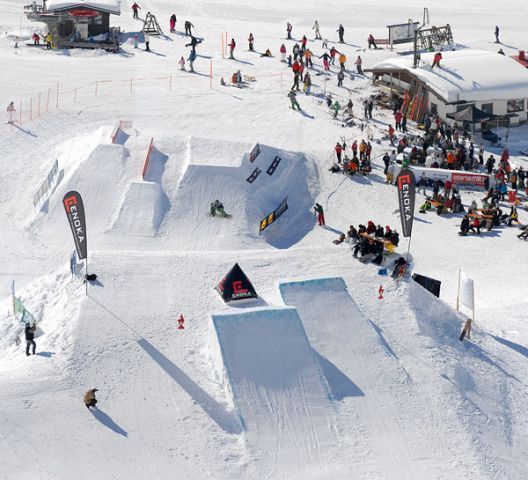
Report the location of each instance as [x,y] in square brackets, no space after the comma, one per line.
[333,53]
[339,151]
[475,225]
[303,43]
[36,39]
[398,118]
[232,46]
[283,52]
[436,60]
[391,135]
[135,8]
[372,42]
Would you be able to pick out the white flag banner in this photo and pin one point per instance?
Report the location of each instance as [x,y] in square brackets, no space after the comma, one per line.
[466,293]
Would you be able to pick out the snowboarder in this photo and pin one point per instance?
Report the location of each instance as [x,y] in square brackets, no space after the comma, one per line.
[289,29]
[320,214]
[188,25]
[217,209]
[251,39]
[497,30]
[146,37]
[10,111]
[372,42]
[436,59]
[29,332]
[191,59]
[194,41]
[308,58]
[307,83]
[358,64]
[293,99]
[36,39]
[135,8]
[182,63]
[232,46]
[317,33]
[326,61]
[49,40]
[89,398]
[391,135]
[172,23]
[341,32]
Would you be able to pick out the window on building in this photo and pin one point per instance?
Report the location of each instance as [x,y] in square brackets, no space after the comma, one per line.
[434,108]
[516,105]
[487,107]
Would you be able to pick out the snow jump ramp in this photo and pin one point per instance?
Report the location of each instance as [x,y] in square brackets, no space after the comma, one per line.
[278,390]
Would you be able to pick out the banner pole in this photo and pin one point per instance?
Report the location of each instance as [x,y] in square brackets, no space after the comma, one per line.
[408,250]
[86,275]
[458,291]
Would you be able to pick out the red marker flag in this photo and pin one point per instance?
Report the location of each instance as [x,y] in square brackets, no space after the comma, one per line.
[380,291]
[181,322]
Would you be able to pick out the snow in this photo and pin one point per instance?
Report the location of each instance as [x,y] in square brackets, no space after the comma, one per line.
[467,75]
[315,379]
[110,6]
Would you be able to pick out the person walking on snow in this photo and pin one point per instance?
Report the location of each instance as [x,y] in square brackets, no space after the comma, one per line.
[340,78]
[339,151]
[333,53]
[436,59]
[317,33]
[146,37]
[283,52]
[372,42]
[251,39]
[293,99]
[342,61]
[188,25]
[191,59]
[289,29]
[182,63]
[232,46]
[172,23]
[497,34]
[341,32]
[89,398]
[320,214]
[307,83]
[135,8]
[10,111]
[359,64]
[29,333]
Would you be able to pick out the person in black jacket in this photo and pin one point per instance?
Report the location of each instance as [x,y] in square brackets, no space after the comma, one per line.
[464,226]
[30,336]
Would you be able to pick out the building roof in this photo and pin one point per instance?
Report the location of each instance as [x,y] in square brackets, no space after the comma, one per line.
[466,75]
[107,6]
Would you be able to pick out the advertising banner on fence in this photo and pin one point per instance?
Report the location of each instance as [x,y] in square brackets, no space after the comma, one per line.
[468,178]
[269,219]
[74,207]
[406,192]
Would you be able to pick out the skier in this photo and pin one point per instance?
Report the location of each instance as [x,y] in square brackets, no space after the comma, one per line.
[188,25]
[293,99]
[307,83]
[36,39]
[340,78]
[89,398]
[317,33]
[146,36]
[172,23]
[497,34]
[283,52]
[341,32]
[251,39]
[320,214]
[358,64]
[182,63]
[372,42]
[289,29]
[191,59]
[135,8]
[29,332]
[10,110]
[232,46]
[194,41]
[436,60]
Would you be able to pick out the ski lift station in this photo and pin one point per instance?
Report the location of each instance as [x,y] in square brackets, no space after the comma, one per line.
[491,82]
[78,23]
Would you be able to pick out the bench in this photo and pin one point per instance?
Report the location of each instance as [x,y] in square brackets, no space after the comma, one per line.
[382,41]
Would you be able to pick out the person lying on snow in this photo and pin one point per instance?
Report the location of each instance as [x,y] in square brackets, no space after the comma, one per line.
[339,240]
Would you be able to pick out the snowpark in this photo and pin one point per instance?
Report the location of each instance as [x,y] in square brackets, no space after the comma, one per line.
[325,375]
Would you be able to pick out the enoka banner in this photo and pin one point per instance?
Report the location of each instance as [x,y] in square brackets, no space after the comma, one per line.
[74,207]
[406,192]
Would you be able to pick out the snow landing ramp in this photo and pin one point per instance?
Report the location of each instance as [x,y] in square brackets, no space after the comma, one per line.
[374,395]
[278,390]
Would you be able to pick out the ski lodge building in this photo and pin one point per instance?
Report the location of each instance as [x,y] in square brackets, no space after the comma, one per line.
[493,83]
[78,23]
